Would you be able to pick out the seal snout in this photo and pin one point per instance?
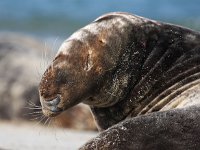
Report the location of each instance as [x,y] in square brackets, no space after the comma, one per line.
[51,107]
[53,102]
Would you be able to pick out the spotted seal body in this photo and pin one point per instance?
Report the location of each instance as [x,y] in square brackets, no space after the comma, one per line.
[124,66]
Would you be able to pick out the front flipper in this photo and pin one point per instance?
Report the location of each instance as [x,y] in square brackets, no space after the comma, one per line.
[177,129]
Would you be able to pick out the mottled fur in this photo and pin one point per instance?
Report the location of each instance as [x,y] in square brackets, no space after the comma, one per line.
[124,66]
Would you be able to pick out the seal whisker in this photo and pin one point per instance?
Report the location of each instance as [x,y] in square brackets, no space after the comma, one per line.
[32,104]
[35,117]
[51,51]
[33,108]
[50,119]
[54,127]
[39,117]
[36,112]
[45,55]
[46,120]
[42,118]
[54,43]
[38,75]
[61,127]
[41,67]
[43,63]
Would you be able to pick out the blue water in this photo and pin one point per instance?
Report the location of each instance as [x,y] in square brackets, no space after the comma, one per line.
[62,17]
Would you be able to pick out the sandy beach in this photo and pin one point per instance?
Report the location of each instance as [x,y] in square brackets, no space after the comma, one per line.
[15,136]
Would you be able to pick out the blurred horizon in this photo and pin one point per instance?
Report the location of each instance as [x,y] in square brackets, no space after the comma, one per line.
[61,18]
[31,31]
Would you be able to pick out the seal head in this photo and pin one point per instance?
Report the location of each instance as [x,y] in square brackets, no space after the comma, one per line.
[83,66]
[71,78]
[122,66]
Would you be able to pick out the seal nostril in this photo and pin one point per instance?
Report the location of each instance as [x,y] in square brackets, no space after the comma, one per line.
[53,102]
[55,109]
[51,107]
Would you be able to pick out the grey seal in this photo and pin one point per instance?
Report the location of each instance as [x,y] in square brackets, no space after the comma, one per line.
[125,66]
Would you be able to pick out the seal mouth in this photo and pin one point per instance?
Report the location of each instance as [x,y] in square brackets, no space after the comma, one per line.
[50,107]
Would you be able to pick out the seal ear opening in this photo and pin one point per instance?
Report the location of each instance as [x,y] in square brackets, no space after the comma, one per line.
[102,41]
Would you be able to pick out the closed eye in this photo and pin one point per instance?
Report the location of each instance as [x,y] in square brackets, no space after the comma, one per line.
[64,78]
[61,77]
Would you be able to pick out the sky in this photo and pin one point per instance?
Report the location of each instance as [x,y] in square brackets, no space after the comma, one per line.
[63,17]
